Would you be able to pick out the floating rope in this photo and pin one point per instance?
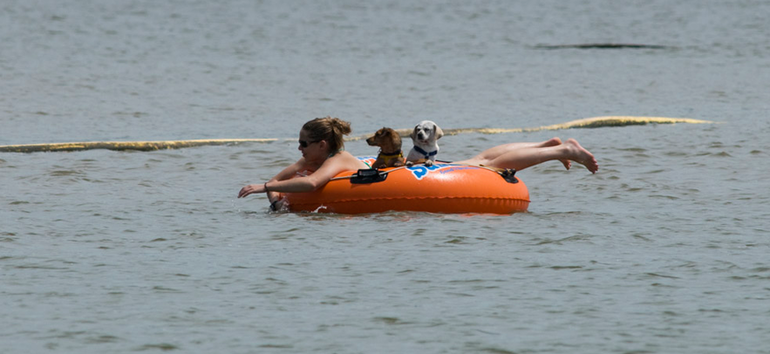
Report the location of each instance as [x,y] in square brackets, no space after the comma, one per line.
[125,145]
[596,122]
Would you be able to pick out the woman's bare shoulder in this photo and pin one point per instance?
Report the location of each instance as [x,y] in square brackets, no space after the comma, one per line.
[343,161]
[352,161]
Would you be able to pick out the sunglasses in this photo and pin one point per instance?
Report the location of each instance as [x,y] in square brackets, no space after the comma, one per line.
[305,144]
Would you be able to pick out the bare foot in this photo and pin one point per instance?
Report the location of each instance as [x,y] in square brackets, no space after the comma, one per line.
[553,142]
[582,156]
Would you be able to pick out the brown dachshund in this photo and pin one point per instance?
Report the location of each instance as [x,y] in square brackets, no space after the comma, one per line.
[390,148]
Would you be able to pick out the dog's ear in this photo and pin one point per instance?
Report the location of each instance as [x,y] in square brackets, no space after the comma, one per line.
[396,138]
[414,132]
[439,132]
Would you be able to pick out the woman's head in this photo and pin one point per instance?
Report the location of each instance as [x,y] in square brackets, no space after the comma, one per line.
[331,130]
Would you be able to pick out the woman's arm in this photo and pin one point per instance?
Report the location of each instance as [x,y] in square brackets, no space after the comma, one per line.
[285,181]
[287,173]
[330,168]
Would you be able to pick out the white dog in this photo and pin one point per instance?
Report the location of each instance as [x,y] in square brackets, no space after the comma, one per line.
[425,147]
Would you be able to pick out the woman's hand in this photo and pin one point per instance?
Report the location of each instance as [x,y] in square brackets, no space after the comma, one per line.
[251,189]
[279,205]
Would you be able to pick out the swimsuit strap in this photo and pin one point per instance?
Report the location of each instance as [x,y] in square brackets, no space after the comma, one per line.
[335,153]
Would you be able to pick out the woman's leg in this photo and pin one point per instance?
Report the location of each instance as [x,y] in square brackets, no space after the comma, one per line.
[522,155]
[500,150]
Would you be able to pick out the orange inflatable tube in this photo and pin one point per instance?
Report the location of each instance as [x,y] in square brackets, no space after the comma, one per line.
[441,188]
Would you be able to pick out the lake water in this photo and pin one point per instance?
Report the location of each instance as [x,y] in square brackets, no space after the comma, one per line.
[665,250]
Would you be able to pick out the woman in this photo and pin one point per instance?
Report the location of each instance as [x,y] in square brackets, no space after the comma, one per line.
[323,157]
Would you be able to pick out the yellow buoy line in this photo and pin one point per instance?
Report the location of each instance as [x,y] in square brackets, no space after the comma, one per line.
[124,145]
[596,122]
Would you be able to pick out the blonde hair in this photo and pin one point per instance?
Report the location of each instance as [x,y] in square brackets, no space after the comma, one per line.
[330,129]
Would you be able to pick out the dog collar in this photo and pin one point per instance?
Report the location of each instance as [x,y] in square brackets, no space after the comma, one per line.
[427,154]
[398,153]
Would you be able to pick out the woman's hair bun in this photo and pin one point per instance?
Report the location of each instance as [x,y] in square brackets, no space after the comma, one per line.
[341,126]
[328,128]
